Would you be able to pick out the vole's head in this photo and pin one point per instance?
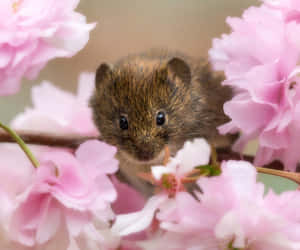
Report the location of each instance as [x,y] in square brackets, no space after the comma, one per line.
[140,109]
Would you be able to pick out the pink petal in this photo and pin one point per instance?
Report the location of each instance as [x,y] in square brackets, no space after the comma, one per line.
[76,221]
[257,114]
[129,200]
[97,157]
[193,154]
[49,221]
[86,86]
[126,224]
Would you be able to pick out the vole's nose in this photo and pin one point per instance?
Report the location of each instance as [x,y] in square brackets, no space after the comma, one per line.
[145,150]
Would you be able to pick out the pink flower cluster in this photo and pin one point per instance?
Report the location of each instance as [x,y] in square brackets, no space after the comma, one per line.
[59,112]
[64,203]
[230,212]
[72,201]
[239,216]
[60,225]
[260,60]
[32,32]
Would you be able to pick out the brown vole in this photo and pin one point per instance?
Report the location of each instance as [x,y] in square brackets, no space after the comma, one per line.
[158,98]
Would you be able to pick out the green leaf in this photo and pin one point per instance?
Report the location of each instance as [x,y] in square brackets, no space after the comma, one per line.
[209,170]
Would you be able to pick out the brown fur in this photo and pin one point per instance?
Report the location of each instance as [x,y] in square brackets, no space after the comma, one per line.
[141,85]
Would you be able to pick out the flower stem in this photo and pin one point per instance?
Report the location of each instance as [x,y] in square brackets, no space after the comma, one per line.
[21,144]
[289,175]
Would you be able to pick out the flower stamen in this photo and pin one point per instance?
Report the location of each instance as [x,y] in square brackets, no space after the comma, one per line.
[16,5]
[171,184]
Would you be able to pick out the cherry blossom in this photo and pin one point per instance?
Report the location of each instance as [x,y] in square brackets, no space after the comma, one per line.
[34,32]
[65,202]
[169,177]
[239,215]
[231,211]
[260,59]
[193,154]
[59,112]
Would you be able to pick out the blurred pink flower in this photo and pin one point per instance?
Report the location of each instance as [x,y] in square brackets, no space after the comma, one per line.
[258,38]
[66,195]
[239,216]
[59,112]
[179,241]
[128,200]
[260,59]
[32,32]
[289,8]
[14,166]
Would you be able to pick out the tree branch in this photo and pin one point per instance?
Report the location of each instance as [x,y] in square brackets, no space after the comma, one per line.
[225,154]
[75,141]
[46,139]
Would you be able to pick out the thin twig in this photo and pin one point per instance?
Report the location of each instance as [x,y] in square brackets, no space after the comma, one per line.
[47,139]
[225,154]
[75,141]
[289,175]
[214,156]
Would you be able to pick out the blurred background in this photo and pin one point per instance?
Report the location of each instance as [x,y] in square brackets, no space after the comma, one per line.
[131,26]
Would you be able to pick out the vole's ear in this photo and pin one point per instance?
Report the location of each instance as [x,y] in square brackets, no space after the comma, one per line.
[103,74]
[177,68]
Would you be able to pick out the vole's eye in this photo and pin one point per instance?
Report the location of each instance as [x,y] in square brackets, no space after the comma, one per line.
[123,123]
[160,118]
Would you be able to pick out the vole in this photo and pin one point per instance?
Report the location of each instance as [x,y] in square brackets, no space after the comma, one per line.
[155,99]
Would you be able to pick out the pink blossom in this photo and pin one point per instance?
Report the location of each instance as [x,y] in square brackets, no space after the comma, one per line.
[34,32]
[258,38]
[289,8]
[66,195]
[240,215]
[14,166]
[259,59]
[59,112]
[193,154]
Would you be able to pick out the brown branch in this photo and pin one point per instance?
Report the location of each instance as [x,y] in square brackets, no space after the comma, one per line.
[46,139]
[75,141]
[225,154]
[288,175]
